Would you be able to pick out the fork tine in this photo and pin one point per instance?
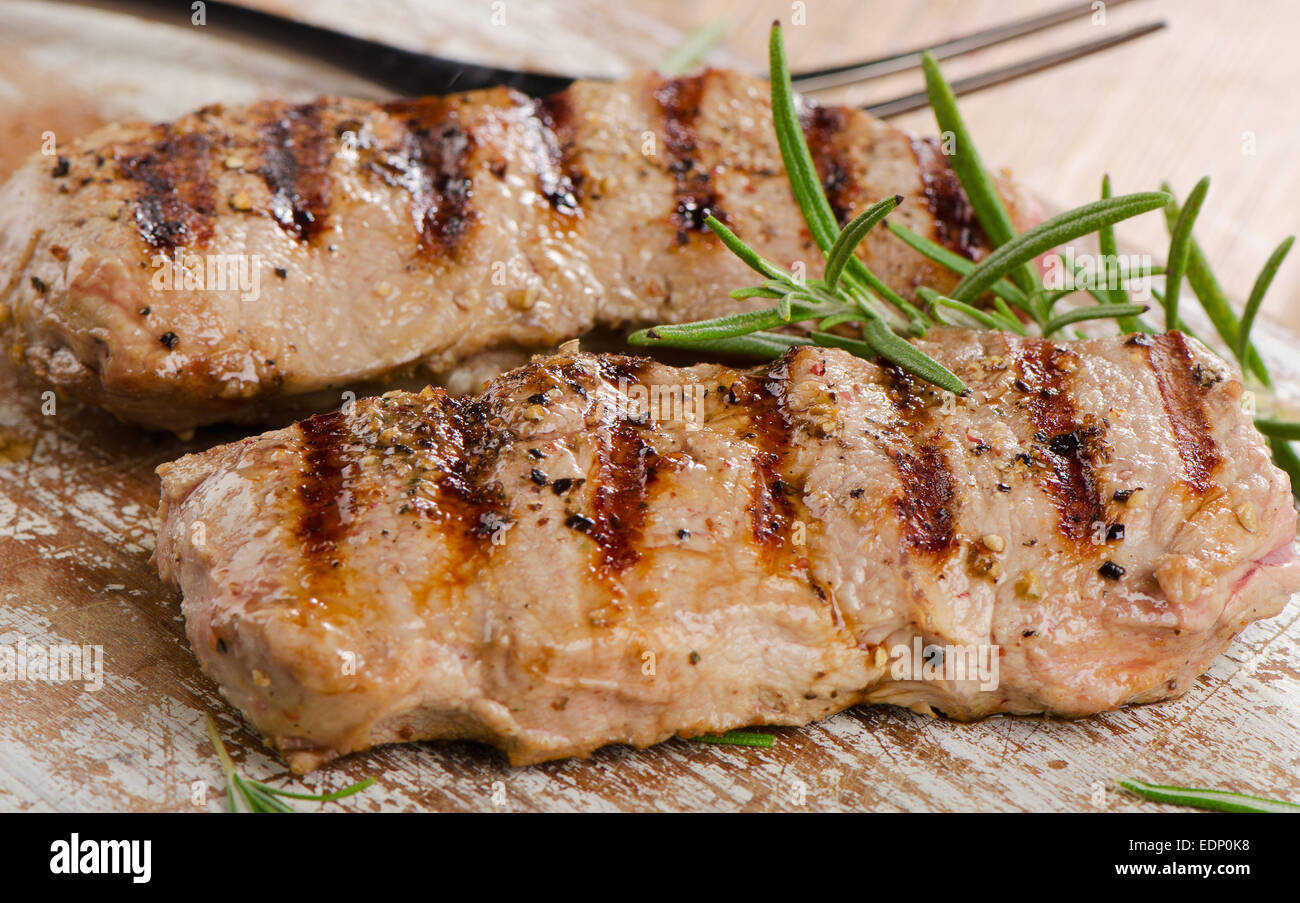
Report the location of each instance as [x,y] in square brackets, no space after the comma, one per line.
[980,81]
[851,73]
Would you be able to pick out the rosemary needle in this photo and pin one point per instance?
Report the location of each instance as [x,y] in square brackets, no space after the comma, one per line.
[1180,245]
[737,738]
[246,795]
[1202,798]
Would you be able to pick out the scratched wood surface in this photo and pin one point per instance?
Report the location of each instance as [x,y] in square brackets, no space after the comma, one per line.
[76,532]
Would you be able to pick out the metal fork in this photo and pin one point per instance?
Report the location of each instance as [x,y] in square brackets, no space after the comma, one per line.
[414,73]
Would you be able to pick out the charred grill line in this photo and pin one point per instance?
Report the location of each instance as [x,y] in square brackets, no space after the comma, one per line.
[296,168]
[434,165]
[928,497]
[466,448]
[174,205]
[821,125]
[321,491]
[771,509]
[560,180]
[955,223]
[1182,395]
[1061,442]
[695,197]
[625,468]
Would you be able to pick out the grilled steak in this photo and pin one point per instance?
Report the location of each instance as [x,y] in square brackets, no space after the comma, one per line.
[209,268]
[601,549]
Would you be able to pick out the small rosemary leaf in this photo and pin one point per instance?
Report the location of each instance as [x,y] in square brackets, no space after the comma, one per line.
[984,318]
[1110,251]
[955,262]
[766,345]
[880,342]
[1278,429]
[737,738]
[259,801]
[1213,300]
[838,320]
[1101,311]
[1262,282]
[723,327]
[237,799]
[313,797]
[1180,245]
[751,257]
[1284,456]
[1050,233]
[966,163]
[755,291]
[840,253]
[1203,798]
[1012,321]
[790,138]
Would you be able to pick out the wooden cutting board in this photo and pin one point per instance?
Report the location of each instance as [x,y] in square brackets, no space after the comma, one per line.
[76,533]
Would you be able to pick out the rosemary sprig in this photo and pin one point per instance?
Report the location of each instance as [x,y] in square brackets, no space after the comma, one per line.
[246,795]
[1109,247]
[849,292]
[1202,798]
[1212,298]
[1262,282]
[737,738]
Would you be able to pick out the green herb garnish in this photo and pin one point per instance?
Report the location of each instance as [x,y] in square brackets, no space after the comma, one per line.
[246,795]
[737,738]
[1201,798]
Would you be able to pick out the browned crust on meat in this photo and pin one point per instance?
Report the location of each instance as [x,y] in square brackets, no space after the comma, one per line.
[560,179]
[771,509]
[324,441]
[1183,386]
[174,201]
[955,224]
[433,166]
[624,471]
[695,196]
[928,497]
[296,159]
[1062,444]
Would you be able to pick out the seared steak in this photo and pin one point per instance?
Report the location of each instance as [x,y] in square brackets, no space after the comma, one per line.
[209,268]
[601,549]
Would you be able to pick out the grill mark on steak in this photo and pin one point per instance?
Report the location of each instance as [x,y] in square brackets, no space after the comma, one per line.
[772,512]
[325,440]
[174,202]
[694,195]
[467,448]
[928,497]
[625,468]
[1182,394]
[821,125]
[1062,445]
[296,159]
[955,223]
[433,163]
[559,180]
